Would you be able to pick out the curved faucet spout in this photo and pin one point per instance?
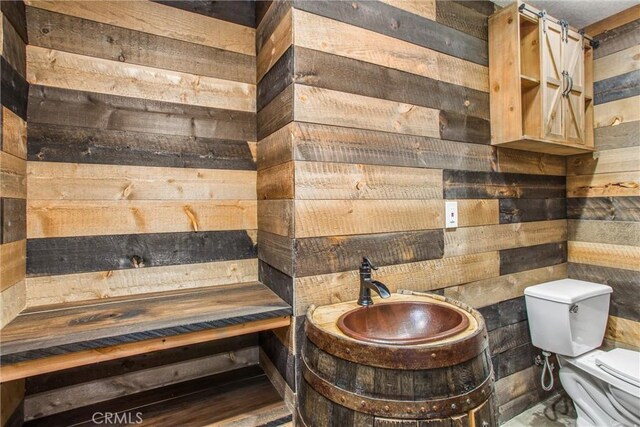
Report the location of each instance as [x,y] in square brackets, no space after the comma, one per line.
[381,289]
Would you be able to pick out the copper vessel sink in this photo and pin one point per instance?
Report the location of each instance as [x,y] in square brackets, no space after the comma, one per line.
[403,323]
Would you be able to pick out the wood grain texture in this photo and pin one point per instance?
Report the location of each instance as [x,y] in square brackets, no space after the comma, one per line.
[78,72]
[276,216]
[621,62]
[532,257]
[13,182]
[13,220]
[84,37]
[469,185]
[527,210]
[419,276]
[527,162]
[68,288]
[272,13]
[56,106]
[622,135]
[284,360]
[13,47]
[160,20]
[275,45]
[71,181]
[617,39]
[14,255]
[61,143]
[605,255]
[458,127]
[277,114]
[277,281]
[604,185]
[324,106]
[275,149]
[277,79]
[322,255]
[276,182]
[465,19]
[240,12]
[11,395]
[611,232]
[474,212]
[618,87]
[467,240]
[50,218]
[616,112]
[277,251]
[604,208]
[423,8]
[15,13]
[319,33]
[605,161]
[12,302]
[624,331]
[402,25]
[315,218]
[14,134]
[14,89]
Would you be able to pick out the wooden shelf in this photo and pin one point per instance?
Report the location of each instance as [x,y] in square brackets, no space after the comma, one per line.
[528,82]
[549,147]
[63,336]
[239,397]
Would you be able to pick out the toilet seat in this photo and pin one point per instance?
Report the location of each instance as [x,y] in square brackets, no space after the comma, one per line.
[622,364]
[587,363]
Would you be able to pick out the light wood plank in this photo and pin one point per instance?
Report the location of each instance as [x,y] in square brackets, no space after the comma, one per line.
[418,276]
[78,72]
[14,262]
[605,255]
[276,217]
[468,240]
[276,148]
[276,182]
[623,330]
[14,134]
[491,291]
[319,180]
[474,212]
[319,33]
[604,184]
[276,45]
[324,106]
[12,302]
[613,232]
[73,181]
[13,174]
[314,218]
[517,161]
[424,8]
[68,288]
[51,218]
[154,18]
[614,21]
[616,112]
[618,63]
[605,161]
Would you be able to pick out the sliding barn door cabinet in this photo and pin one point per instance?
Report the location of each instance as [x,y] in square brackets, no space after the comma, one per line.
[541,83]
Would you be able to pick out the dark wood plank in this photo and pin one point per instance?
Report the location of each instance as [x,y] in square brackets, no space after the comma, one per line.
[403,25]
[272,16]
[14,49]
[617,39]
[625,284]
[14,10]
[277,79]
[68,255]
[277,114]
[277,251]
[68,377]
[81,326]
[485,7]
[60,143]
[508,337]
[617,87]
[13,218]
[277,281]
[459,127]
[261,9]
[513,360]
[460,184]
[604,208]
[70,34]
[526,210]
[319,69]
[322,255]
[14,89]
[466,19]
[237,11]
[55,106]
[620,136]
[532,257]
[278,353]
[504,313]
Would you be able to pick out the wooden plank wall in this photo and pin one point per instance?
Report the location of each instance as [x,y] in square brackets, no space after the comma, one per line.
[370,116]
[142,173]
[13,187]
[603,189]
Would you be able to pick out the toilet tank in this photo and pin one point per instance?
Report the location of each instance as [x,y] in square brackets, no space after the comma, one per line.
[567,317]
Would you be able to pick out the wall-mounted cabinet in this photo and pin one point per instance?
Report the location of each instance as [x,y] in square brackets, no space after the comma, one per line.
[540,74]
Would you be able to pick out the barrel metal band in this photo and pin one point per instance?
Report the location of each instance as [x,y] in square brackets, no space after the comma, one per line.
[429,409]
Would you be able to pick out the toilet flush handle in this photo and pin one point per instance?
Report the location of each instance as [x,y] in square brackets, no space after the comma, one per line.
[573,308]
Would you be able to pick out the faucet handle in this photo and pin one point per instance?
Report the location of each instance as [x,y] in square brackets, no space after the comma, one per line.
[367,264]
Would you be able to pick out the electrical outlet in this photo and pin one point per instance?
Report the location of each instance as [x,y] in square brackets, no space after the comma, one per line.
[451,215]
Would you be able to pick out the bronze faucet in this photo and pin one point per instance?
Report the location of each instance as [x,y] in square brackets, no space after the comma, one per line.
[366,284]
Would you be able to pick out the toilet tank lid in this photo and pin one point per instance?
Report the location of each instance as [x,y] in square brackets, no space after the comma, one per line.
[567,291]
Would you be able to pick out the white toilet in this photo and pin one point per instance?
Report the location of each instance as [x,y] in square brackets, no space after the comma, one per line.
[569,317]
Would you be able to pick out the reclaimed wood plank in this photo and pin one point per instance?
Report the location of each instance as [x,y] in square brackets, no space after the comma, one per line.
[402,25]
[13,47]
[483,6]
[273,11]
[462,18]
[275,149]
[508,337]
[616,112]
[56,106]
[75,287]
[61,143]
[67,218]
[605,255]
[474,212]
[277,79]
[527,210]
[612,232]
[15,12]
[604,208]
[13,182]
[275,45]
[276,280]
[323,255]
[463,184]
[12,302]
[331,36]
[160,20]
[81,36]
[277,251]
[14,89]
[277,114]
[14,256]
[622,135]
[532,257]
[423,8]
[284,361]
[604,185]
[324,106]
[467,240]
[276,216]
[617,39]
[605,161]
[13,220]
[527,162]
[624,61]
[623,330]
[12,396]
[513,360]
[458,127]
[14,134]
[316,218]
[276,182]
[239,11]
[618,87]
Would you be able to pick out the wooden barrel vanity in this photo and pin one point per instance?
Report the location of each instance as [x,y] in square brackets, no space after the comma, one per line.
[347,381]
